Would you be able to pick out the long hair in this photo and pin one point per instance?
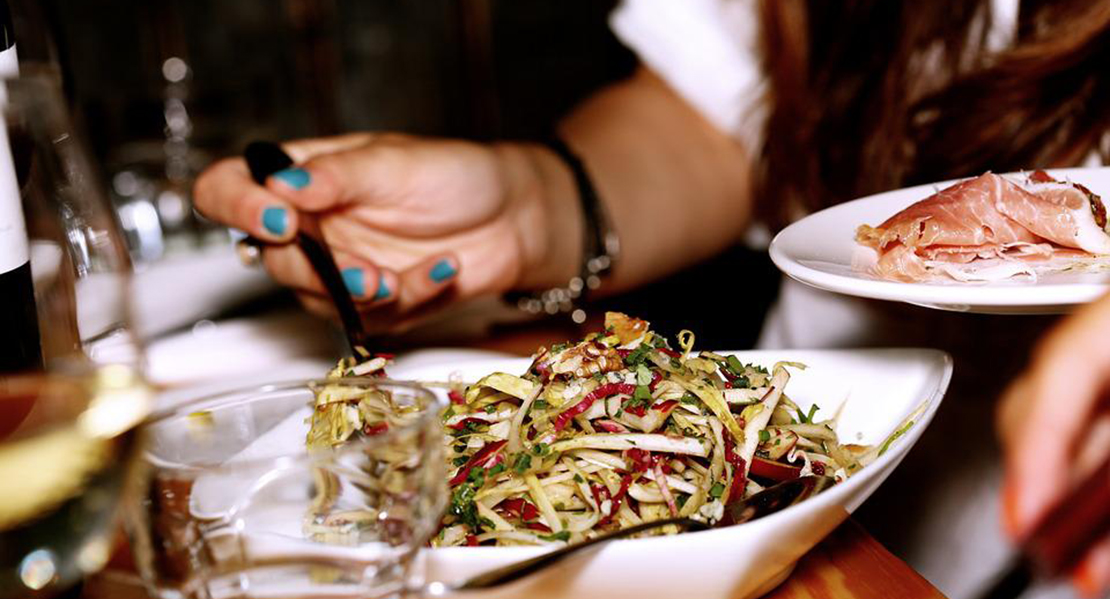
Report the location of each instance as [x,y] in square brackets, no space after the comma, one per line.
[870,95]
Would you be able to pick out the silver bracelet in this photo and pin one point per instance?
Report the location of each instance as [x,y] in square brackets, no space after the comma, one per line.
[600,249]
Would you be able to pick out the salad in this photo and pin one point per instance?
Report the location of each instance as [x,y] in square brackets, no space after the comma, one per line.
[617,429]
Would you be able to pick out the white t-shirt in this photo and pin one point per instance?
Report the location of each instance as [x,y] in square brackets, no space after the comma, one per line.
[706,50]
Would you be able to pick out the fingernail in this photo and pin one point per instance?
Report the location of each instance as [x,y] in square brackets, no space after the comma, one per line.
[296,177]
[353,278]
[1086,579]
[1092,576]
[383,289]
[275,220]
[442,271]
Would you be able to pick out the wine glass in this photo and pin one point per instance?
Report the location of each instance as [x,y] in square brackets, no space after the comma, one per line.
[239,506]
[71,392]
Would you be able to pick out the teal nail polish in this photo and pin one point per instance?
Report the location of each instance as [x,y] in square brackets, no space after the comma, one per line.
[383,289]
[442,271]
[275,220]
[297,178]
[353,278]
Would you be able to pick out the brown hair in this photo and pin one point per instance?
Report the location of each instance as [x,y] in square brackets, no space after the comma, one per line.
[870,95]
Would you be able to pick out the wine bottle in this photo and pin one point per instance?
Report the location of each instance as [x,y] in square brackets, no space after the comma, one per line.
[20,345]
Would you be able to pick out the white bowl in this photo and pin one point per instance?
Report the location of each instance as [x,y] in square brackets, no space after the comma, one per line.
[874,389]
[879,389]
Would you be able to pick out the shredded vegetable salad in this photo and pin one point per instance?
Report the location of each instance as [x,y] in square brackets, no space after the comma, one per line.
[615,430]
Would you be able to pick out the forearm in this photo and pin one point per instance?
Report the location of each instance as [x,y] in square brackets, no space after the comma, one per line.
[676,187]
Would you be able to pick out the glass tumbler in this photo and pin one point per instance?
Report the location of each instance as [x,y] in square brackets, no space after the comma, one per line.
[237,506]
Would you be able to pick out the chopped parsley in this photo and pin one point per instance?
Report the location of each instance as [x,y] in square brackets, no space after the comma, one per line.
[522,464]
[734,365]
[462,500]
[563,535]
[541,449]
[638,356]
[738,372]
[470,427]
[764,436]
[717,490]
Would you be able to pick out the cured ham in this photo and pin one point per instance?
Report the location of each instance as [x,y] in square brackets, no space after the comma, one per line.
[990,228]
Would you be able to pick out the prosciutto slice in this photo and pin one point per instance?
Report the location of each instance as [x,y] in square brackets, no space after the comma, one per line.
[990,228]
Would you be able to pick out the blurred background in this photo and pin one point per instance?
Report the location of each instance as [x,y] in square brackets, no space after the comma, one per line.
[163,88]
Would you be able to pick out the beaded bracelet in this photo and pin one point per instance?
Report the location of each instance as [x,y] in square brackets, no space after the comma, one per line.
[600,248]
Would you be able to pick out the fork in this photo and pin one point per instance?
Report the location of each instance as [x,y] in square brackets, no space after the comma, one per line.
[266,158]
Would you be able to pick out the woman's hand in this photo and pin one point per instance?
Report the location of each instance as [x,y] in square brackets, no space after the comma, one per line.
[1054,424]
[414,223]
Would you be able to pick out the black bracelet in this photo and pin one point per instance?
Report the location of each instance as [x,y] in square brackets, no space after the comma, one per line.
[600,248]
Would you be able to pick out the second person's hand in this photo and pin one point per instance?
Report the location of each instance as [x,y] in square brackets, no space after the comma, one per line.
[1055,429]
[414,223]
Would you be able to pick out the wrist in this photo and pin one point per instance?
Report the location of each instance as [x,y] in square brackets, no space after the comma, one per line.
[547,219]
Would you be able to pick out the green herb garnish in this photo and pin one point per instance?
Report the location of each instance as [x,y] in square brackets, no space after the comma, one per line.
[522,464]
[563,535]
[717,490]
[637,356]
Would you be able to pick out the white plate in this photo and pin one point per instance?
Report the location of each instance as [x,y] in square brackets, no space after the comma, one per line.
[878,388]
[819,250]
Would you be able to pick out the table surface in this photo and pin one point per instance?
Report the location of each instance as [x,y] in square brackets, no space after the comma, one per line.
[848,564]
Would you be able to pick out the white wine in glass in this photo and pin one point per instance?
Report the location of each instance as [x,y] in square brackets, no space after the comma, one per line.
[71,391]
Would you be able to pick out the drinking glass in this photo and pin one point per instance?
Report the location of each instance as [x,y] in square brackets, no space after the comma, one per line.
[71,395]
[238,506]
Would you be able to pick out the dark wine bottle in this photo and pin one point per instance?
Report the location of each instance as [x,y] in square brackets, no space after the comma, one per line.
[20,344]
